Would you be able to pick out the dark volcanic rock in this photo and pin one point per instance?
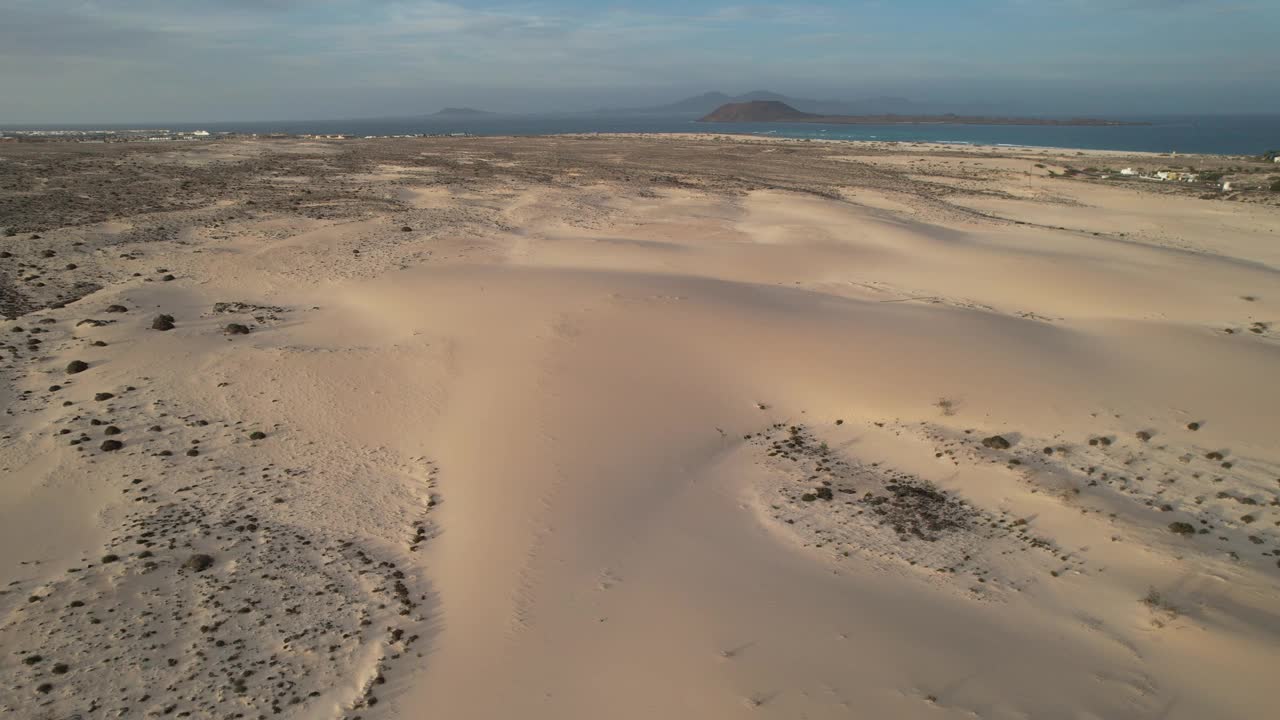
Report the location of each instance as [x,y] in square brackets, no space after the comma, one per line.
[110,445]
[77,366]
[236,329]
[996,442]
[162,322]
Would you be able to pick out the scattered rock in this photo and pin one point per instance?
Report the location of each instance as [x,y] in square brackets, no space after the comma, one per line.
[77,366]
[257,435]
[1182,528]
[162,322]
[116,309]
[103,396]
[236,329]
[110,445]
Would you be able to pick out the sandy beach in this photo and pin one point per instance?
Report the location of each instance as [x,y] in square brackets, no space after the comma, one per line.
[633,427]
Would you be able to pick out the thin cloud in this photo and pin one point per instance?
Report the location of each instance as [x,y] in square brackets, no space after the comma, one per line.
[251,58]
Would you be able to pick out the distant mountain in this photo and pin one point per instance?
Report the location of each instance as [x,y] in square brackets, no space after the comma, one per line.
[462,112]
[770,111]
[707,102]
[757,111]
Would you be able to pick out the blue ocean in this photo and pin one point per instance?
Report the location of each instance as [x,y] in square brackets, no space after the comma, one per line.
[1216,134]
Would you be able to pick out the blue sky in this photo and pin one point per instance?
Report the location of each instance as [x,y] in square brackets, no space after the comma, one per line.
[178,60]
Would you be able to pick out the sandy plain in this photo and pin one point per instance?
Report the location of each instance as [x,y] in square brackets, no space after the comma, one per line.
[632,427]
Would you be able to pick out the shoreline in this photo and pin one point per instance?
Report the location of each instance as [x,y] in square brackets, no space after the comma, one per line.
[378,129]
[904,145]
[710,134]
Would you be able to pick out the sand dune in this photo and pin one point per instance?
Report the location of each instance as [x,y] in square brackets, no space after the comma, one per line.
[637,428]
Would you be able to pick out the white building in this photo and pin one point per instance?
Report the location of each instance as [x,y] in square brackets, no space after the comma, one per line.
[1177,176]
[1128,171]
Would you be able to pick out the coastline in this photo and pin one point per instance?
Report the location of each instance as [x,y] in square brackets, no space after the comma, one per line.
[1234,135]
[900,145]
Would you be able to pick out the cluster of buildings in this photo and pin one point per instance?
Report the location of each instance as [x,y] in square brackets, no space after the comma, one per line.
[1163,175]
[104,136]
[140,135]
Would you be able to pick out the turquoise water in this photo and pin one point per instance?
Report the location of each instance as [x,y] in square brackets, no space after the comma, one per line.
[1220,134]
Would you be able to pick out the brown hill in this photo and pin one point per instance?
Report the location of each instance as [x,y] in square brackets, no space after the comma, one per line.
[758,111]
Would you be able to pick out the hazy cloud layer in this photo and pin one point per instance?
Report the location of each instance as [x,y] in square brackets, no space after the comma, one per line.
[125,60]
